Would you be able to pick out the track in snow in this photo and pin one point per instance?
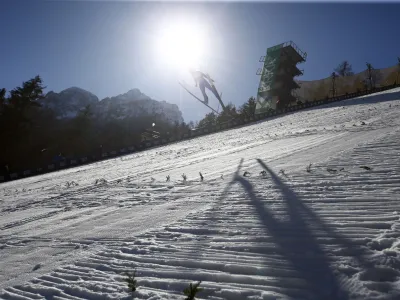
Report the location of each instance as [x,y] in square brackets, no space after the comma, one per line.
[317,235]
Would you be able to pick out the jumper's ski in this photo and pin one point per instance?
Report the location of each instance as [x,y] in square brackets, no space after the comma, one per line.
[198,98]
[213,86]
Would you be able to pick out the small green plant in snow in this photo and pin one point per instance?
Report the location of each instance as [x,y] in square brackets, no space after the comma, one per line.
[131,281]
[192,290]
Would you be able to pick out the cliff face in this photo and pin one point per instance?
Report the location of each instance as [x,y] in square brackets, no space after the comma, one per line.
[69,102]
[135,103]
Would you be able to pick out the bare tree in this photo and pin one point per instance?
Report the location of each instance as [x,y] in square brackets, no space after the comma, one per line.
[344,69]
[333,89]
[398,69]
[365,83]
[374,76]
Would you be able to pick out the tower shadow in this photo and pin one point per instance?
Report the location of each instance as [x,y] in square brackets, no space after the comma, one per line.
[296,239]
[297,242]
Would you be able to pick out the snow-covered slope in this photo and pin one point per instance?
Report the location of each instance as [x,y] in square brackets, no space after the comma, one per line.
[69,102]
[331,233]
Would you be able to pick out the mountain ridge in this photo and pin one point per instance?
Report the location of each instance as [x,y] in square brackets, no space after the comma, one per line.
[69,102]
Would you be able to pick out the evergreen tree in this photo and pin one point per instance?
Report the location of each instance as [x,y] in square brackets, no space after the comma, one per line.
[248,109]
[209,120]
[28,94]
[227,114]
[2,96]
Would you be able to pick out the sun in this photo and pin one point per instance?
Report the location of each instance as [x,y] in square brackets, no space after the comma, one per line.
[181,45]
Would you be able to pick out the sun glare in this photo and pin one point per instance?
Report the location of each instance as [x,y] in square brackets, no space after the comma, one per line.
[181,45]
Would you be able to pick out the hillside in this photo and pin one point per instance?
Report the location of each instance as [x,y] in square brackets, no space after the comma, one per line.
[330,233]
[319,89]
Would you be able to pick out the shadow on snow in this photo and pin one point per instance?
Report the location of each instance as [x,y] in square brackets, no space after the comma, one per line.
[297,241]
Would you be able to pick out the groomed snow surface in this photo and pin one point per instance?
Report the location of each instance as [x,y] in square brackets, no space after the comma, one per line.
[330,233]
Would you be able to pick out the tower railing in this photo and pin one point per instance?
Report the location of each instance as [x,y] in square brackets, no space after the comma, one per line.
[294,46]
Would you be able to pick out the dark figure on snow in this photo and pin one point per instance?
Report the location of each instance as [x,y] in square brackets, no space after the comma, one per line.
[202,80]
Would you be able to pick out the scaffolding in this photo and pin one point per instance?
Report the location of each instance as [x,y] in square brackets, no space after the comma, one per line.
[277,84]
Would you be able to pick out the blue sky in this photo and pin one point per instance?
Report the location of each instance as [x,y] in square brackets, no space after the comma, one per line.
[107,48]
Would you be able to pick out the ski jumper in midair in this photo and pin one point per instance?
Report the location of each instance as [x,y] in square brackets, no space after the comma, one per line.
[201,80]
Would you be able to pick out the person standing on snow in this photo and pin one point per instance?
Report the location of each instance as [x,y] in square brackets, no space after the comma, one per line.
[201,80]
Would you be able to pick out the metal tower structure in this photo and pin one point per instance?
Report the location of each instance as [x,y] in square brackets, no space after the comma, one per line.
[277,82]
